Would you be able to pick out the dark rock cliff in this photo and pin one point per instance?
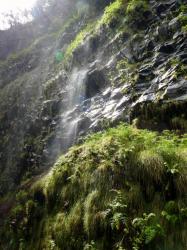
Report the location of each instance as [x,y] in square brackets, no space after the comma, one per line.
[104,66]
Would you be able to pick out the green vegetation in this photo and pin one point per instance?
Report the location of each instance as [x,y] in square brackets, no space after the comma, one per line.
[183,17]
[184,28]
[136,10]
[121,189]
[112,15]
[127,71]
[26,59]
[15,57]
[181,69]
[183,8]
[132,11]
[160,116]
[113,12]
[88,30]
[20,62]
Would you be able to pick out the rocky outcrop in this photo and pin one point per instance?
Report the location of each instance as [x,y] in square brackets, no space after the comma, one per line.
[155,54]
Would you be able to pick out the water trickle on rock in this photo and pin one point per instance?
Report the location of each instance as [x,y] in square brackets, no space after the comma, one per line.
[75,97]
[71,111]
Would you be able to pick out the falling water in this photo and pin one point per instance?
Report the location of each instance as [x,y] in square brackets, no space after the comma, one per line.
[75,97]
[67,129]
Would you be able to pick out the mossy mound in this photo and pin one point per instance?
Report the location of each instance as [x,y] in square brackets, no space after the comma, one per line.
[121,189]
[161,116]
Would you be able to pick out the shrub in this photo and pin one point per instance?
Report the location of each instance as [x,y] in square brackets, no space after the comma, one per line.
[146,230]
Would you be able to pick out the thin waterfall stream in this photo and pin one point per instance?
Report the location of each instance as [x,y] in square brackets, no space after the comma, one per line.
[71,110]
[75,97]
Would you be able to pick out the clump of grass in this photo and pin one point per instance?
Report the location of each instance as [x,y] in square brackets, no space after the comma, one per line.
[135,196]
[151,165]
[66,227]
[95,191]
[91,209]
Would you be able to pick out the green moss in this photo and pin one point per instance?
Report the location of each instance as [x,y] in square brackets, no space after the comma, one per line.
[13,58]
[180,68]
[183,8]
[132,10]
[88,30]
[113,12]
[183,17]
[104,192]
[135,11]
[150,159]
[184,28]
[127,71]
[160,116]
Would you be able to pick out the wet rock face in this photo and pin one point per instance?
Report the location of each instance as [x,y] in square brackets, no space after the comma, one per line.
[153,53]
[51,108]
[94,83]
[15,68]
[119,72]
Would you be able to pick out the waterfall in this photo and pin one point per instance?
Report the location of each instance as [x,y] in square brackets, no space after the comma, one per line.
[75,98]
[67,129]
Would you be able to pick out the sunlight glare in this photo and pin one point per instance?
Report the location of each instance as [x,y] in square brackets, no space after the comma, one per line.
[14,5]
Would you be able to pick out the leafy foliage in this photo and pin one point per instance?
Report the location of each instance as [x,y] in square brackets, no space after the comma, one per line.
[146,230]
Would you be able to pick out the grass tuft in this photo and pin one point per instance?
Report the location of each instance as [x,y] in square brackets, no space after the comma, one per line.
[94,194]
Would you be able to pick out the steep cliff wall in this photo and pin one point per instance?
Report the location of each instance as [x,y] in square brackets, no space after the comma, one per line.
[126,63]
